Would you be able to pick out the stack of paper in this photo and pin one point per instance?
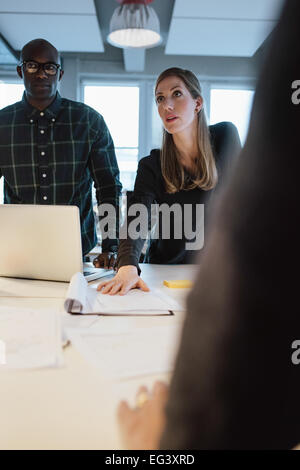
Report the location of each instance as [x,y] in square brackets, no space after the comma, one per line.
[29,339]
[82,298]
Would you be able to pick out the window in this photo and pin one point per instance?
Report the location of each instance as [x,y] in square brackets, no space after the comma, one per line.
[119,105]
[231,105]
[157,126]
[9,94]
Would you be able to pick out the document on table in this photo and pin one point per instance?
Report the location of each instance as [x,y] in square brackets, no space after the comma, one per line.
[85,299]
[144,351]
[29,339]
[14,287]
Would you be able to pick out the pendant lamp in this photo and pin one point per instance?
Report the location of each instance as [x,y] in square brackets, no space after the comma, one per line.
[134,24]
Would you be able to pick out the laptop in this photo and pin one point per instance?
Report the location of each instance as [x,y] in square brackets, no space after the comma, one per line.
[42,242]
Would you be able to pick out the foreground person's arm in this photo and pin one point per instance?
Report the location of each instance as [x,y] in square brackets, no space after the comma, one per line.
[141,427]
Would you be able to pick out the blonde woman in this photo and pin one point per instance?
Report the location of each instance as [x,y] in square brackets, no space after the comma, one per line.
[185,171]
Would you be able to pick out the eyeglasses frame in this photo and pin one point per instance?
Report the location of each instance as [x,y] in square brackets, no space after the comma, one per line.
[41,65]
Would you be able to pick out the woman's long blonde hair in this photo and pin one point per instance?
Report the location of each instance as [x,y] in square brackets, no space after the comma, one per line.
[205,175]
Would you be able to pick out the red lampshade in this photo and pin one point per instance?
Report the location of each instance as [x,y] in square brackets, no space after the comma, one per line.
[141,2]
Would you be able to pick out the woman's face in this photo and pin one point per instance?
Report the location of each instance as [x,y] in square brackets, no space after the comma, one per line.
[177,108]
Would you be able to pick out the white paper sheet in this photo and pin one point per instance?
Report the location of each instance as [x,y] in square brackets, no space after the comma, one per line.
[141,352]
[76,298]
[82,298]
[12,287]
[29,339]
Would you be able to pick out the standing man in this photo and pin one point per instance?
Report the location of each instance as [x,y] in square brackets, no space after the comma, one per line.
[53,149]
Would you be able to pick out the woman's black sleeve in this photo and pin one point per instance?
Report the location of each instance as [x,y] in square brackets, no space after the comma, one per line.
[143,197]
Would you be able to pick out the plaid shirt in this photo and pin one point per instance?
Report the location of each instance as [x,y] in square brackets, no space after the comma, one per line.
[53,156]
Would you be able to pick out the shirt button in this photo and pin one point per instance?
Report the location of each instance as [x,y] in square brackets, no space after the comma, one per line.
[31,121]
[42,131]
[44,175]
[42,153]
[42,114]
[45,198]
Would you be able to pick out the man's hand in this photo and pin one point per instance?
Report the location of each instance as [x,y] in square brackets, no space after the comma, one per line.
[106,260]
[142,427]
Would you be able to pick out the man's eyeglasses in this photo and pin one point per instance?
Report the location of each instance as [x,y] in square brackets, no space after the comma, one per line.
[31,66]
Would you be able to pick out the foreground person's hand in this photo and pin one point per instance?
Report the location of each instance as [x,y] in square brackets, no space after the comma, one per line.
[141,427]
[126,278]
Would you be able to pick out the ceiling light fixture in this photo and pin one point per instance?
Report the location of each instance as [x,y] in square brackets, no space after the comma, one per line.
[134,24]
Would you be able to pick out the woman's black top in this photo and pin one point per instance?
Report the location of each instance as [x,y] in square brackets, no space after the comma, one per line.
[150,189]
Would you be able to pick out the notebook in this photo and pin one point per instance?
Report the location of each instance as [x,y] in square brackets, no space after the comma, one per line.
[82,298]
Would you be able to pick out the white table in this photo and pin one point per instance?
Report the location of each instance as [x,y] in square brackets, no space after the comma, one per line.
[72,407]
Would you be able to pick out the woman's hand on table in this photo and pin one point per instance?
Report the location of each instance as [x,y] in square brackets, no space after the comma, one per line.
[141,427]
[126,278]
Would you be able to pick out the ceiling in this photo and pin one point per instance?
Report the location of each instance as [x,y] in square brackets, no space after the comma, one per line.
[7,54]
[220,28]
[71,25]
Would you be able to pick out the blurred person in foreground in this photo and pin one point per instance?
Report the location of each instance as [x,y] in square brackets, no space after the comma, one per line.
[235,385]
